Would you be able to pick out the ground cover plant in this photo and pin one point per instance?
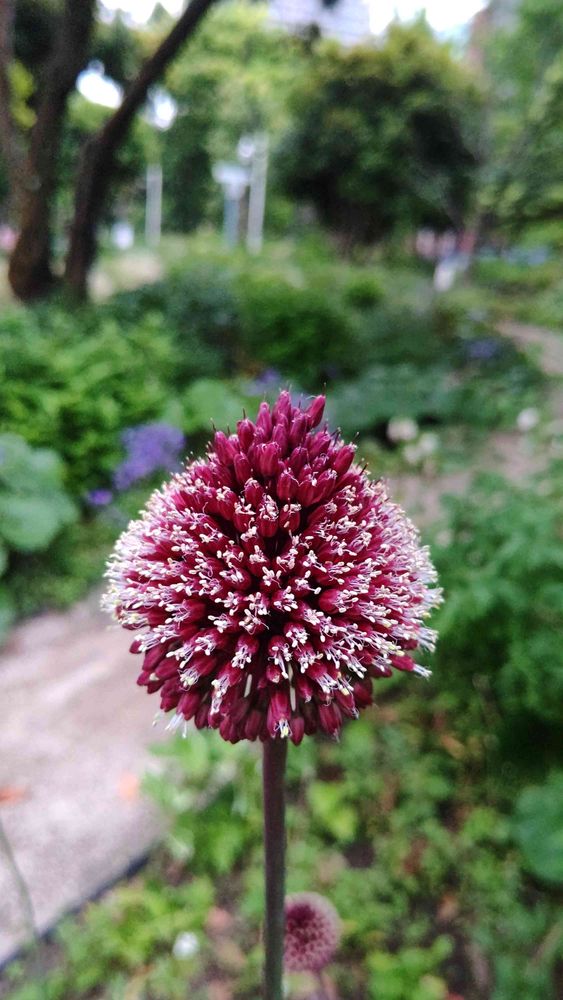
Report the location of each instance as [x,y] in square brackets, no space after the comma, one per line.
[406,826]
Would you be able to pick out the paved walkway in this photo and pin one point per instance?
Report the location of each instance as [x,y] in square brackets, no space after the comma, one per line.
[75,737]
[548,344]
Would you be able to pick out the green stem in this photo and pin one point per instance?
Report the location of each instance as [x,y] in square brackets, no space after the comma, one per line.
[273,774]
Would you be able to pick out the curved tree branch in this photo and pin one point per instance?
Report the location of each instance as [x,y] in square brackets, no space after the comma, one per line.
[98,158]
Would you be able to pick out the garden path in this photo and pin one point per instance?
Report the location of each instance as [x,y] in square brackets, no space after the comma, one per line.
[548,343]
[76,730]
[75,739]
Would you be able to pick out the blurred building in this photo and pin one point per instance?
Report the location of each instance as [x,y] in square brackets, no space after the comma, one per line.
[346,20]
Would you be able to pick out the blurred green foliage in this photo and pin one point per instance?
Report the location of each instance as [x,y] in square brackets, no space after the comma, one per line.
[523,177]
[234,79]
[501,570]
[73,380]
[405,825]
[384,137]
[538,828]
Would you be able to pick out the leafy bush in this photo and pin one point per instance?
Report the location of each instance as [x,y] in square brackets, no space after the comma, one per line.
[436,394]
[501,571]
[424,875]
[410,973]
[383,136]
[75,381]
[197,306]
[34,506]
[363,291]
[216,814]
[304,332]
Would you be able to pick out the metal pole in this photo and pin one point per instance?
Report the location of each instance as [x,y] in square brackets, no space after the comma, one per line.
[231,219]
[153,213]
[257,200]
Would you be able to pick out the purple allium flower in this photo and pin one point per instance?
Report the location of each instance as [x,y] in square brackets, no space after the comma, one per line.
[273,582]
[312,932]
[149,448]
[99,498]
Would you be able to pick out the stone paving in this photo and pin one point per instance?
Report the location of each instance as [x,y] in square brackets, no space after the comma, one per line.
[75,737]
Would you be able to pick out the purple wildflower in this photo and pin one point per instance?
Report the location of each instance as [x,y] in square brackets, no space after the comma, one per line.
[99,498]
[149,448]
[269,380]
[483,349]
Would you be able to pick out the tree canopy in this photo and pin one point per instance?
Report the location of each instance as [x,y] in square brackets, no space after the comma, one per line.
[523,182]
[385,136]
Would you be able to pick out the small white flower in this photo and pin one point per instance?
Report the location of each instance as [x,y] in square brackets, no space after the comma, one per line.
[402,429]
[428,444]
[412,454]
[186,945]
[527,419]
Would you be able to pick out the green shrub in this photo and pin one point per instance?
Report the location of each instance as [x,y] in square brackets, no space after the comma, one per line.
[363,291]
[370,401]
[74,381]
[303,332]
[501,572]
[409,975]
[197,306]
[212,800]
[432,395]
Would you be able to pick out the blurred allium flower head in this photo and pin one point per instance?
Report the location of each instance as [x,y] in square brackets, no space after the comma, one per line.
[312,932]
[272,582]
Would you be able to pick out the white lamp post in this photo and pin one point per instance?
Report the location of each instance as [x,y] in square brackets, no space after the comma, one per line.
[233,179]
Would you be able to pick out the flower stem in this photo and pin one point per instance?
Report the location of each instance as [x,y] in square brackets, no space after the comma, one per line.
[273,774]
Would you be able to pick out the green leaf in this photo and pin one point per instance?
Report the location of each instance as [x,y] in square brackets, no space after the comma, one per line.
[30,523]
[7,613]
[538,828]
[28,470]
[331,811]
[210,400]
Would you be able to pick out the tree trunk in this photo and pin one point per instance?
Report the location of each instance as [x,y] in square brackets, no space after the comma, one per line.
[30,272]
[99,154]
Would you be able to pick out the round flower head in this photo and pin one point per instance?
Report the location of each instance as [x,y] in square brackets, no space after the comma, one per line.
[312,932]
[272,582]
